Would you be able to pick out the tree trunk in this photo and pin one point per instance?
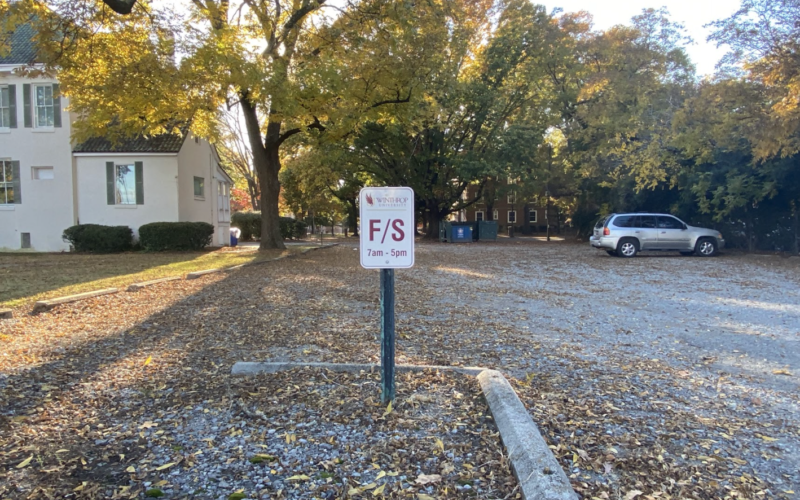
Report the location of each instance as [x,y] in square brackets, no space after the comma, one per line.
[749,229]
[558,220]
[352,216]
[796,243]
[270,194]
[267,163]
[434,217]
[252,187]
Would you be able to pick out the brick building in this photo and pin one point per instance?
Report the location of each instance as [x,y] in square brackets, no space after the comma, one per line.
[509,210]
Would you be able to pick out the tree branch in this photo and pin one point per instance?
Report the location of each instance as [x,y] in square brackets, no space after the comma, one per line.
[120,6]
[313,125]
[398,100]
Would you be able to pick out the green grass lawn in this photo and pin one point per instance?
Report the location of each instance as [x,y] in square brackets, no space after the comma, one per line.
[28,277]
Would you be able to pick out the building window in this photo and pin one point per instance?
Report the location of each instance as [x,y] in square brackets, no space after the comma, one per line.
[44,110]
[125,185]
[532,216]
[199,187]
[479,216]
[512,216]
[42,173]
[224,202]
[8,179]
[5,107]
[512,197]
[496,214]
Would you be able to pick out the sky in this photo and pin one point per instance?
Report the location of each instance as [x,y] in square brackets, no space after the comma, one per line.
[693,14]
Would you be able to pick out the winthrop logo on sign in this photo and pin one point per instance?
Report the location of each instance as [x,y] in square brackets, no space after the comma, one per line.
[387,201]
[387,227]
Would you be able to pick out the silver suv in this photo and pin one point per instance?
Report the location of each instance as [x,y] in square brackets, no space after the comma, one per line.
[625,235]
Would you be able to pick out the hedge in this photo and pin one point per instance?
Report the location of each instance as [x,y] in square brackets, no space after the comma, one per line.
[250,225]
[99,239]
[160,236]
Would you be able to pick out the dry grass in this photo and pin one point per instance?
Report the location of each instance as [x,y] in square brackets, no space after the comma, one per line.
[28,277]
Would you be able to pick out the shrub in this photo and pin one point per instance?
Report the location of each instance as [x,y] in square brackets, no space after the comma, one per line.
[250,225]
[292,229]
[159,236]
[99,239]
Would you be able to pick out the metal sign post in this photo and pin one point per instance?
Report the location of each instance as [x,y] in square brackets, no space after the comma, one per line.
[387,243]
[387,335]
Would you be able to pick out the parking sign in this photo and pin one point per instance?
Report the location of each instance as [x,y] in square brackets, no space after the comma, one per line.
[387,227]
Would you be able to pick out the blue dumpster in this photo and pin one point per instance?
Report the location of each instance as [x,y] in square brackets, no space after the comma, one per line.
[461,234]
[235,232]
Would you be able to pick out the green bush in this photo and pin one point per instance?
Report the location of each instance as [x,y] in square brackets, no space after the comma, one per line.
[99,239]
[159,236]
[250,225]
[292,229]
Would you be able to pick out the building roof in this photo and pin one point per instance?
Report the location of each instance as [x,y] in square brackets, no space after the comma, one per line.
[23,48]
[164,143]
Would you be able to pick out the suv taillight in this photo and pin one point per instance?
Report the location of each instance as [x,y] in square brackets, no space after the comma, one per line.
[606,231]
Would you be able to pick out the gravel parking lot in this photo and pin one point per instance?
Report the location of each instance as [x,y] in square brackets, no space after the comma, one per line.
[657,377]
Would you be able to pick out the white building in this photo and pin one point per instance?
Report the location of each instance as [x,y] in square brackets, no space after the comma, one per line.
[48,183]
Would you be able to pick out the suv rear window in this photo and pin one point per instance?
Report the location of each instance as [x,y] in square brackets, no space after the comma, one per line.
[669,223]
[647,221]
[624,221]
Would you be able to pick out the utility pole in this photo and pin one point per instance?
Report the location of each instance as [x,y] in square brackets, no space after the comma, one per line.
[547,189]
[547,212]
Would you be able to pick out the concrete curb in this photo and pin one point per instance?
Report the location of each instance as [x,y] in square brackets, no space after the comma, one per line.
[242,368]
[6,314]
[45,305]
[539,474]
[317,248]
[135,287]
[260,262]
[197,274]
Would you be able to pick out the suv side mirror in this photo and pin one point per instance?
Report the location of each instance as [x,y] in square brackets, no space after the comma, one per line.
[685,227]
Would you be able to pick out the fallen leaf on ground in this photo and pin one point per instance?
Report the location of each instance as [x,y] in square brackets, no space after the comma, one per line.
[428,479]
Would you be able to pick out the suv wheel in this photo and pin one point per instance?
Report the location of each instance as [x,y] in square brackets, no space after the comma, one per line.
[627,247]
[706,247]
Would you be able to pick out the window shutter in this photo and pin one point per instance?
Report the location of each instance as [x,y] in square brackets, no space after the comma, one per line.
[139,183]
[17,182]
[56,105]
[26,104]
[12,106]
[110,196]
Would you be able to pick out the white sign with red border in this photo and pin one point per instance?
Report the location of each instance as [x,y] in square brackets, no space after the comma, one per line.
[387,227]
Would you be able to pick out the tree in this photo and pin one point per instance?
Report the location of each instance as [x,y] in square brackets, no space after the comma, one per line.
[288,74]
[764,41]
[489,88]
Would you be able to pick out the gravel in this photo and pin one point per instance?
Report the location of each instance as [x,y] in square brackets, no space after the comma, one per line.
[660,376]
